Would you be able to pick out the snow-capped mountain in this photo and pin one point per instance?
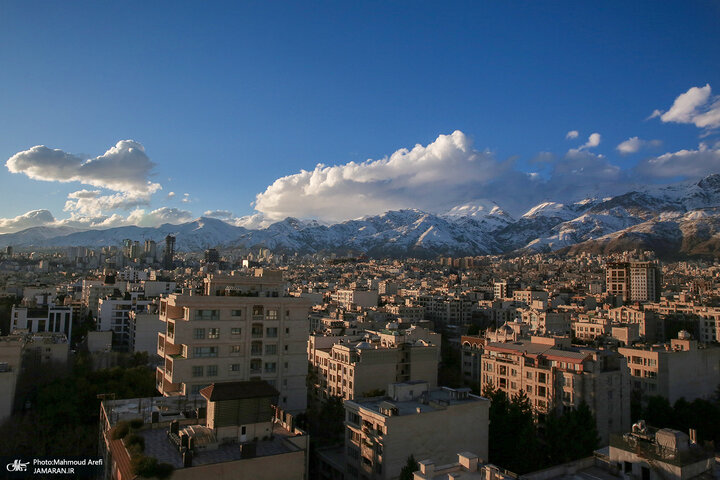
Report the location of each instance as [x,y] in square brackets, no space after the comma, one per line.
[682,218]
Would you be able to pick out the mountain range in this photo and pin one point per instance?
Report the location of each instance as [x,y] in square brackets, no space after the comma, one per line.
[677,220]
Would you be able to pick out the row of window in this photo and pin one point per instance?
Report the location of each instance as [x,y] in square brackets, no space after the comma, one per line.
[212,370]
[257,311]
[256,332]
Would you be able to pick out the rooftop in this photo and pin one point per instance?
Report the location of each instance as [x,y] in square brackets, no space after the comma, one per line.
[159,446]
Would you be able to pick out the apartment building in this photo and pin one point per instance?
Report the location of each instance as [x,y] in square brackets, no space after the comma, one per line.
[352,366]
[546,322]
[590,327]
[144,327]
[634,281]
[113,314]
[47,318]
[381,433]
[349,298]
[682,368]
[556,376]
[230,431]
[651,326]
[251,331]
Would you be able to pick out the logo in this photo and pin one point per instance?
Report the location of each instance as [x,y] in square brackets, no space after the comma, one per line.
[17,466]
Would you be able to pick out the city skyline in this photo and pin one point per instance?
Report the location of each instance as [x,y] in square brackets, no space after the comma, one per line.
[333,113]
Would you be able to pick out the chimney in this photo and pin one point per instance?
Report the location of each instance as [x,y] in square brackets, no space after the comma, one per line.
[427,468]
[469,461]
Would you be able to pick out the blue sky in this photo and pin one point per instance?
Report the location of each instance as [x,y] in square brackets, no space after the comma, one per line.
[227,98]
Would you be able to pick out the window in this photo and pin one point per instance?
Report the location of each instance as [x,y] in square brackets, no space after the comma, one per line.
[207,315]
[234,367]
[255,365]
[270,349]
[258,310]
[287,331]
[197,388]
[201,352]
[236,331]
[256,348]
[271,332]
[236,313]
[270,367]
[197,371]
[213,333]
[271,315]
[199,333]
[235,349]
[257,330]
[212,370]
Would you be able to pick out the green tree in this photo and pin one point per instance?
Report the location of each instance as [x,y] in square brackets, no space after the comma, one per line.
[410,467]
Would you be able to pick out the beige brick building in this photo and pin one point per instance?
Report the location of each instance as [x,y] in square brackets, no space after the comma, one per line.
[382,433]
[682,368]
[251,331]
[555,375]
[351,367]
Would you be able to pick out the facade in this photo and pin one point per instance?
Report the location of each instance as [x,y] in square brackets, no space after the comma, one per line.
[351,297]
[634,281]
[683,368]
[556,376]
[113,314]
[351,367]
[51,319]
[382,433]
[211,338]
[143,327]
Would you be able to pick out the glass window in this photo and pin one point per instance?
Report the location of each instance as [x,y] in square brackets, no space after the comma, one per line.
[235,367]
[271,315]
[199,333]
[197,371]
[237,313]
[212,370]
[256,348]
[235,331]
[270,367]
[235,349]
[213,333]
[207,315]
[270,349]
[205,352]
[257,330]
[271,332]
[258,310]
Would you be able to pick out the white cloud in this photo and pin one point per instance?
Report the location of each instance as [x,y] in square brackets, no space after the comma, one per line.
[159,216]
[592,142]
[445,171]
[186,198]
[33,218]
[634,144]
[683,163]
[221,214]
[92,203]
[696,106]
[123,168]
[572,134]
[171,194]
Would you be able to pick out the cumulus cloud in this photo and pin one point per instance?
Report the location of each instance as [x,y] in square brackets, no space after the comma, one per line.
[446,170]
[683,163]
[186,198]
[696,106]
[634,144]
[592,142]
[171,195]
[123,168]
[33,218]
[93,203]
[221,214]
[159,216]
[572,134]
